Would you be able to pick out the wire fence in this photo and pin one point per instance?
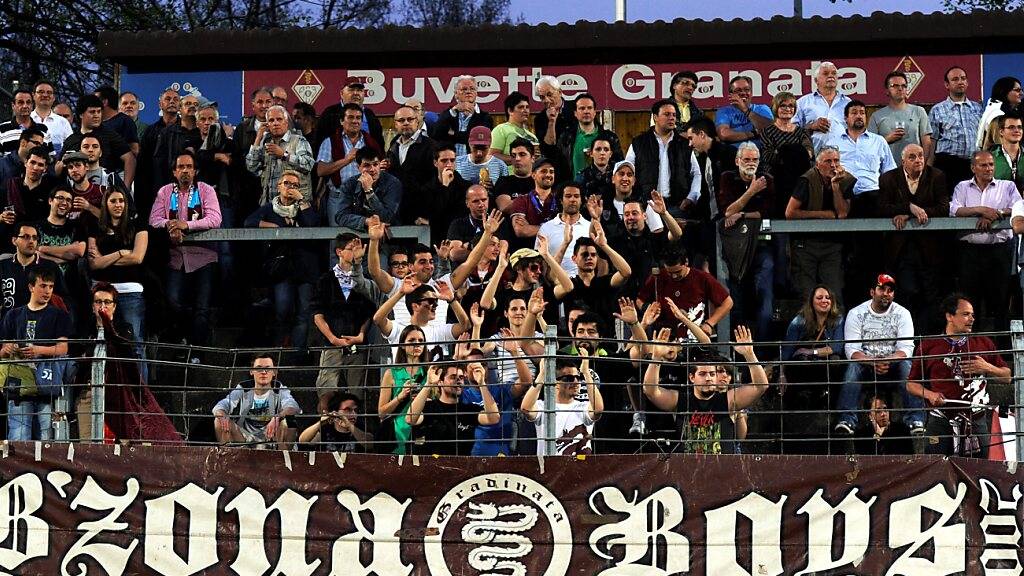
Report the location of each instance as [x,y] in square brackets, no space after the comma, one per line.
[706,399]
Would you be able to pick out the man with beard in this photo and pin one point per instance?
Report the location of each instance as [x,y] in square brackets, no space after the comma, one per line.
[519,182]
[457,124]
[692,290]
[61,240]
[866,155]
[951,374]
[410,159]
[441,197]
[442,423]
[682,85]
[117,154]
[87,196]
[879,342]
[278,148]
[175,139]
[566,227]
[528,212]
[621,192]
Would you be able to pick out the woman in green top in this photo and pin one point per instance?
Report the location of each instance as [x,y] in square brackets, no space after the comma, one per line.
[400,382]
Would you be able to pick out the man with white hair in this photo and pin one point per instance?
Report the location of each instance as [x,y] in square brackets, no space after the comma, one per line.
[277,148]
[822,112]
[454,124]
[557,116]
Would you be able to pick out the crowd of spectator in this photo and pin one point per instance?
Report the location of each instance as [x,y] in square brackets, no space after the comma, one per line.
[543,219]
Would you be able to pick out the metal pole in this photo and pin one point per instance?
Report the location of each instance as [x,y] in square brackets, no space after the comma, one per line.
[550,409]
[798,8]
[60,424]
[1017,335]
[99,368]
[620,10]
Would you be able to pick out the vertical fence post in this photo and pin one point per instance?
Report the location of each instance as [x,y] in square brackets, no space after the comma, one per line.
[1017,337]
[61,407]
[550,350]
[99,368]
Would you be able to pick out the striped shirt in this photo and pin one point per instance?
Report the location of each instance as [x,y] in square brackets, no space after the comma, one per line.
[10,134]
[955,126]
[471,171]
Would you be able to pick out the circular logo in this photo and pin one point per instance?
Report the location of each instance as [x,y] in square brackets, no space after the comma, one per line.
[496,520]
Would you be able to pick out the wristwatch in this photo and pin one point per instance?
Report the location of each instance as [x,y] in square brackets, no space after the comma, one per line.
[814,351]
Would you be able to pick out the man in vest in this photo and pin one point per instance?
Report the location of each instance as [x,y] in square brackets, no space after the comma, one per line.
[665,162]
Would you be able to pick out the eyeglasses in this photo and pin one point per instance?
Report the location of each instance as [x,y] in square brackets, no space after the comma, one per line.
[689,83]
[103,302]
[262,369]
[28,237]
[569,378]
[397,263]
[534,267]
[791,106]
[903,86]
[432,302]
[404,120]
[1014,128]
[290,185]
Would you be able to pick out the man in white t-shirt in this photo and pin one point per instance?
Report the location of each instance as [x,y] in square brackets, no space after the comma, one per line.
[879,343]
[564,229]
[421,303]
[574,419]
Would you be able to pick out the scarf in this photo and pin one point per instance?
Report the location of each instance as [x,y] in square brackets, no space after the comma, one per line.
[345,280]
[283,211]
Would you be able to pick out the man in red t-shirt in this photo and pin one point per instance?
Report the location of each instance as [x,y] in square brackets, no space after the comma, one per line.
[951,373]
[689,288]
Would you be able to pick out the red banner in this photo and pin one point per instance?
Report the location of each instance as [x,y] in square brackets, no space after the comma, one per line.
[622,86]
[115,510]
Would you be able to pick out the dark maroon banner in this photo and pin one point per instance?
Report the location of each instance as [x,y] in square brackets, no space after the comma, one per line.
[621,86]
[182,511]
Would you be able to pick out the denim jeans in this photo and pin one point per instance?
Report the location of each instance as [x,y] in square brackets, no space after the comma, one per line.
[195,288]
[857,374]
[292,304]
[225,259]
[29,420]
[131,309]
[762,273]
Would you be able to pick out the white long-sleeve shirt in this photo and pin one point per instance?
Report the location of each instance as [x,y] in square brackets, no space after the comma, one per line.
[893,329]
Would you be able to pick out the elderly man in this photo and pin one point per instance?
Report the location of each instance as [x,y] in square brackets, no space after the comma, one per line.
[915,191]
[821,193]
[741,119]
[985,256]
[278,148]
[866,155]
[129,105]
[58,128]
[901,123]
[745,199]
[558,116]
[822,113]
[665,162]
[352,91]
[954,127]
[21,119]
[411,160]
[456,124]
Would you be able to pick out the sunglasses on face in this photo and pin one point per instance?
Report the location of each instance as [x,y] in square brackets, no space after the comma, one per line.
[432,302]
[397,263]
[570,378]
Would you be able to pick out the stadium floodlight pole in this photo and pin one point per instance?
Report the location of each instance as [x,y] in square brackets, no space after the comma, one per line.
[798,8]
[620,10]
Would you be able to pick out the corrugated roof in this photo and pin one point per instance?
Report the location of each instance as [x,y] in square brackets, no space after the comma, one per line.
[582,42]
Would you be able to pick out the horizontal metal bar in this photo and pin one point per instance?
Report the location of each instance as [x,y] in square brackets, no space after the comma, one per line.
[873,225]
[420,233]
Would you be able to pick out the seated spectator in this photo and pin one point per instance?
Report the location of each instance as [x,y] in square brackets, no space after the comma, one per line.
[277,148]
[915,191]
[519,182]
[258,411]
[879,337]
[574,418]
[441,423]
[691,289]
[116,249]
[338,430]
[26,196]
[566,227]
[879,435]
[441,198]
[703,413]
[528,212]
[400,383]
[821,193]
[742,120]
[290,266]
[373,193]
[745,198]
[88,196]
[478,166]
[29,416]
[182,208]
[811,371]
[517,107]
[952,375]
[421,303]
[458,124]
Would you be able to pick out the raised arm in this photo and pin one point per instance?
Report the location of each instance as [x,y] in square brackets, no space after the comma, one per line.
[665,399]
[596,401]
[384,281]
[557,274]
[657,203]
[491,224]
[622,268]
[743,396]
[487,299]
[414,417]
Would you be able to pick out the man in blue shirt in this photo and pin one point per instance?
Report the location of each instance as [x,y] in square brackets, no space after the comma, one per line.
[740,120]
[954,127]
[866,155]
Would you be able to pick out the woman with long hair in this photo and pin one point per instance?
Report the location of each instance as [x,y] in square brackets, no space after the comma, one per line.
[400,383]
[117,248]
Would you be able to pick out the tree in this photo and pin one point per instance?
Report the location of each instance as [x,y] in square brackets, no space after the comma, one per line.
[436,13]
[970,5]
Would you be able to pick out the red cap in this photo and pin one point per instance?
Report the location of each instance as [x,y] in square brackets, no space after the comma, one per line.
[354,81]
[480,135]
[884,279]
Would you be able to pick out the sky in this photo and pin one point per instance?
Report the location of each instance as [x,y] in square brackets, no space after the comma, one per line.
[552,12]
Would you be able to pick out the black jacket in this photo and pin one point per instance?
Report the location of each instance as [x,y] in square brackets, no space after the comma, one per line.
[417,171]
[344,317]
[561,152]
[645,147]
[330,119]
[446,129]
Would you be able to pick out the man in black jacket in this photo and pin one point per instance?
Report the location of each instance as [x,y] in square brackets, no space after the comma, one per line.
[679,182]
[352,91]
[453,125]
[342,313]
[573,143]
[411,160]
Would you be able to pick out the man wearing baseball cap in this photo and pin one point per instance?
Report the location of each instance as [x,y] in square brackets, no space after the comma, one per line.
[478,166]
[879,343]
[352,90]
[87,194]
[456,124]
